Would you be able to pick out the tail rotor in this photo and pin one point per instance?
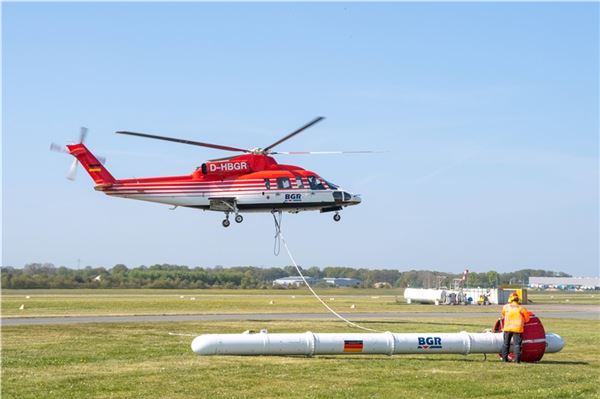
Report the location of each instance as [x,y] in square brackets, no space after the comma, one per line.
[83,131]
[72,172]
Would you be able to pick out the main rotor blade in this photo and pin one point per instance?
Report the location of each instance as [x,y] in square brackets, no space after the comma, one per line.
[323,152]
[295,132]
[191,142]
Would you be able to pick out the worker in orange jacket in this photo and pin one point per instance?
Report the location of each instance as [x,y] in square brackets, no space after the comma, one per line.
[515,316]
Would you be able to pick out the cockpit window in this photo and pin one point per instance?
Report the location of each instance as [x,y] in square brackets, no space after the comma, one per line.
[299,182]
[315,183]
[331,185]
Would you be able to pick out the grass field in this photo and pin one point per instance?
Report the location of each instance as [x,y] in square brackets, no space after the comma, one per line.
[124,302]
[87,302]
[141,360]
[562,297]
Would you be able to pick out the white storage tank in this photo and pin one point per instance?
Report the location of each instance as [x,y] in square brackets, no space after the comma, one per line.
[423,295]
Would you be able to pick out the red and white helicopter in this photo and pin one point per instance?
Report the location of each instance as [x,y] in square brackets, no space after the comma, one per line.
[250,182]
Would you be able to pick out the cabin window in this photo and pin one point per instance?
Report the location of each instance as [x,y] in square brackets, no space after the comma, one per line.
[268,184]
[299,182]
[331,185]
[283,182]
[315,183]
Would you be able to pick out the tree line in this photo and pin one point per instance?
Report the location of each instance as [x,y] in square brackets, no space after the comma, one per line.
[46,275]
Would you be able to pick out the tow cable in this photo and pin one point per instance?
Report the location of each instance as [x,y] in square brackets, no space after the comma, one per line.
[279,238]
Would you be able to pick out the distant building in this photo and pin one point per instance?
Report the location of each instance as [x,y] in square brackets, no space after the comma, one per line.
[294,281]
[342,282]
[586,283]
[334,281]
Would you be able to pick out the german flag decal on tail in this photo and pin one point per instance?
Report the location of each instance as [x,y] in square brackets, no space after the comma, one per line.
[97,172]
[96,167]
[353,346]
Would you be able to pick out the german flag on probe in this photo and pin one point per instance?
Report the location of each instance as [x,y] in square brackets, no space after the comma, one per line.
[353,346]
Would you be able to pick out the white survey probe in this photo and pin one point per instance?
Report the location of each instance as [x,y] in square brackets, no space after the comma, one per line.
[535,343]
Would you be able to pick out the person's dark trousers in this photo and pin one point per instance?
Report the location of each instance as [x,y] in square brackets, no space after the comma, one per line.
[517,340]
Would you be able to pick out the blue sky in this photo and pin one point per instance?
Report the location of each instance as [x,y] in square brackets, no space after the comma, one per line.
[489,113]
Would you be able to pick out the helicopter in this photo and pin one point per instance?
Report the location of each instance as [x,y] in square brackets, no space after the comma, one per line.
[250,182]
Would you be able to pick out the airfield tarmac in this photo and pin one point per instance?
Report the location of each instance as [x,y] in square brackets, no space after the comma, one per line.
[580,312]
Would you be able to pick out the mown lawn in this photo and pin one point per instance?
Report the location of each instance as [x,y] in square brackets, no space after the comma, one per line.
[143,361]
[125,302]
[564,297]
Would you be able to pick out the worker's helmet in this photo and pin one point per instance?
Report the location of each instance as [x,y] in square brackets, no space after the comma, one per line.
[513,297]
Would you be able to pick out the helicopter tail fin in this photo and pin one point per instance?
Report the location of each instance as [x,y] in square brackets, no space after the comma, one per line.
[95,168]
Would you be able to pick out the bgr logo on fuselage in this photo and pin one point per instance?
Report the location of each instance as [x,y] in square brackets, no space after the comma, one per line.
[293,197]
[429,343]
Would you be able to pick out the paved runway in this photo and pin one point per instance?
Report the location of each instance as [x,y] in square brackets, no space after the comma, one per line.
[582,312]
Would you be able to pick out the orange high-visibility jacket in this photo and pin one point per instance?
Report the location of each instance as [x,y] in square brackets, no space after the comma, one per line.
[515,316]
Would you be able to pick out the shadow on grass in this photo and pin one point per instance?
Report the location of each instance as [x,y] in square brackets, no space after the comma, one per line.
[564,362]
[383,358]
[470,359]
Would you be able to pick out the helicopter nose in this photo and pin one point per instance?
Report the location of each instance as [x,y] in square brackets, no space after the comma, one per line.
[355,199]
[346,198]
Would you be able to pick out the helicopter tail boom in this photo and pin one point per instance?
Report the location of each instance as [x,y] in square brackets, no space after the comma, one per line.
[95,168]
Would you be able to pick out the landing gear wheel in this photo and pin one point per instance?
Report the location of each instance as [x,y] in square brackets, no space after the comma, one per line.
[239,218]
[226,222]
[337,217]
